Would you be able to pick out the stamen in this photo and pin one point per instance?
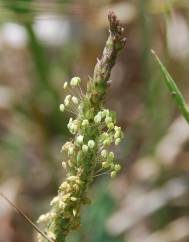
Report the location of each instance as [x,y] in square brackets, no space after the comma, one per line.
[106,172]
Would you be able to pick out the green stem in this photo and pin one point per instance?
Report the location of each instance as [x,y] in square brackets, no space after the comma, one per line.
[38,55]
[175,92]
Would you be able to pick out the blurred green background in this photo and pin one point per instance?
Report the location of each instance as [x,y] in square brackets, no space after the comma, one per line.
[44,43]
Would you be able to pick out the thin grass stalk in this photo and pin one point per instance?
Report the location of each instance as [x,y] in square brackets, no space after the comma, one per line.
[174,90]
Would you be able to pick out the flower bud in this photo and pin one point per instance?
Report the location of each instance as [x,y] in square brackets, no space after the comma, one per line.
[55,200]
[61,205]
[117,167]
[75,100]
[91,144]
[74,212]
[117,134]
[104,136]
[73,199]
[107,142]
[100,114]
[72,178]
[65,85]
[85,123]
[75,81]
[97,119]
[110,126]
[111,156]
[108,120]
[105,164]
[104,153]
[79,139]
[67,100]
[62,107]
[113,174]
[70,151]
[117,141]
[73,128]
[85,148]
[117,128]
[64,165]
[106,112]
[42,218]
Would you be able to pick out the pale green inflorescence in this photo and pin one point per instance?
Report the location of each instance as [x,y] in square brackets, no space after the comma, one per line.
[87,154]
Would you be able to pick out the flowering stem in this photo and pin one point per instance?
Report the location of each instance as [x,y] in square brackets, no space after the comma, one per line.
[90,139]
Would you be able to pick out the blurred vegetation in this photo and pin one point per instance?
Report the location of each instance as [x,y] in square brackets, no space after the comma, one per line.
[42,44]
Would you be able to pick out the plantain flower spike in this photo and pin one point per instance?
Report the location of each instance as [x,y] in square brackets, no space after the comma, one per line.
[94,130]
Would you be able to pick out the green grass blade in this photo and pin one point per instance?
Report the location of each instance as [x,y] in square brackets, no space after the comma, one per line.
[175,92]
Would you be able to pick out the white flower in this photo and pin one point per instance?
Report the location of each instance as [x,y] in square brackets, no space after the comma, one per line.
[74,212]
[72,178]
[117,167]
[73,199]
[104,153]
[75,100]
[75,81]
[62,205]
[117,141]
[113,174]
[65,85]
[66,146]
[70,151]
[73,126]
[55,200]
[97,119]
[117,134]
[105,164]
[70,120]
[85,148]
[105,112]
[64,165]
[85,123]
[91,144]
[64,186]
[67,100]
[100,113]
[42,218]
[104,136]
[62,107]
[107,142]
[108,120]
[79,139]
[117,128]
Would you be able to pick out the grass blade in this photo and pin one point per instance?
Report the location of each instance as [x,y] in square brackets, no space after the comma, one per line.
[175,92]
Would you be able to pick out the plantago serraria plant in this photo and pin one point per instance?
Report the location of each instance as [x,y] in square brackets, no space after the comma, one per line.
[87,154]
